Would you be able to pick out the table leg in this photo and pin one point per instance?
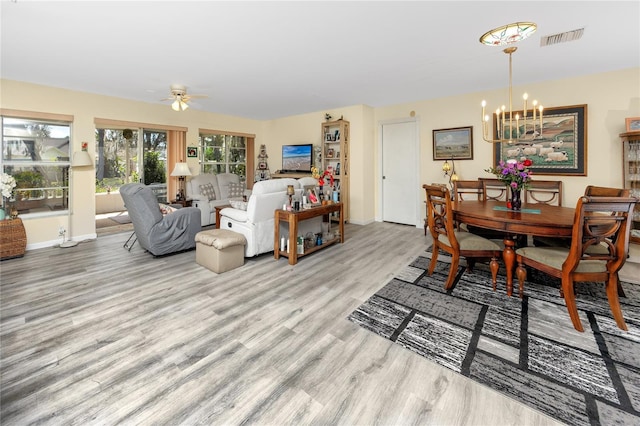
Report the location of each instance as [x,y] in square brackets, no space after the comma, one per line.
[509,257]
[293,239]
[276,237]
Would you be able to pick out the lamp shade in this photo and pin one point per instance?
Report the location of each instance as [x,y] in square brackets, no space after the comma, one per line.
[179,105]
[181,169]
[81,159]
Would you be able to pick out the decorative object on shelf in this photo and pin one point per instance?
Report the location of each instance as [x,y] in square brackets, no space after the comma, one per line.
[327,116]
[181,170]
[561,150]
[262,171]
[450,172]
[455,143]
[502,36]
[192,152]
[7,184]
[632,124]
[516,175]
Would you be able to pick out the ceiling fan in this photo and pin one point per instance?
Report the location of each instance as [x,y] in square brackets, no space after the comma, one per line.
[180,98]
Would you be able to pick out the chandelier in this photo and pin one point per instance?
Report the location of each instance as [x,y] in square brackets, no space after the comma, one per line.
[508,129]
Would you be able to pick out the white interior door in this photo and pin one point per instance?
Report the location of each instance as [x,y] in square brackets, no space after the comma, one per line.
[400,172]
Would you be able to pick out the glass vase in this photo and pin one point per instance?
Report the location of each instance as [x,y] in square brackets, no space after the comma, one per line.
[516,201]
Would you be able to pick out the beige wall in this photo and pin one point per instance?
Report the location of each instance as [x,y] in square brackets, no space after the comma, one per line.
[611,97]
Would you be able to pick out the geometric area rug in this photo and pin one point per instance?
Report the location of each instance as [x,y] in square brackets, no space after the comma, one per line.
[525,348]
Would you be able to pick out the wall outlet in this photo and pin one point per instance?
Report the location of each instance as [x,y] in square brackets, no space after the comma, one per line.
[61,231]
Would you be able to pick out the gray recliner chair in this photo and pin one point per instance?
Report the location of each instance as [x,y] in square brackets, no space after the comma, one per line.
[157,233]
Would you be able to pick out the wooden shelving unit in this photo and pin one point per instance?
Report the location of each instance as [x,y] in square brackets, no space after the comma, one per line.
[631,175]
[335,154]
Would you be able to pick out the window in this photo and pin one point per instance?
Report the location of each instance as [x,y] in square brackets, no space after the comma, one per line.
[118,158]
[222,153]
[36,152]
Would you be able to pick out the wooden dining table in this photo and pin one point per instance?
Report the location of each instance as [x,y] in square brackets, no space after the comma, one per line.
[541,220]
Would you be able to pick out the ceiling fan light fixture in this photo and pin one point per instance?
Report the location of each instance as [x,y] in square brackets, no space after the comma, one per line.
[179,105]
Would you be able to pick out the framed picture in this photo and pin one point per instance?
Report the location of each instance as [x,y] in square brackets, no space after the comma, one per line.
[633,124]
[328,137]
[192,151]
[455,143]
[330,153]
[559,148]
[310,192]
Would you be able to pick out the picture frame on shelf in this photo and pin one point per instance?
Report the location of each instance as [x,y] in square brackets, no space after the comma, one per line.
[632,124]
[565,130]
[311,193]
[330,153]
[328,137]
[192,151]
[453,144]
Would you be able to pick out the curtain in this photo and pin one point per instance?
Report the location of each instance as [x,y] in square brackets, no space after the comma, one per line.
[176,153]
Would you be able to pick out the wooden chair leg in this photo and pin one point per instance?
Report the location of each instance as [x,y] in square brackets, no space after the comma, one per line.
[434,259]
[614,302]
[621,290]
[494,272]
[521,273]
[570,301]
[455,262]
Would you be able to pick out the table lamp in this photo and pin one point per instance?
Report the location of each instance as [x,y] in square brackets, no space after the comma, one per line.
[181,170]
[290,192]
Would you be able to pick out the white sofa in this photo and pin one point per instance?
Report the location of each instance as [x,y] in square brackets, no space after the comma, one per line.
[220,184]
[256,223]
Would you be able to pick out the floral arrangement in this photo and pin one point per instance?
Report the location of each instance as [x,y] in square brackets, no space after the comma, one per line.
[513,173]
[7,183]
[321,176]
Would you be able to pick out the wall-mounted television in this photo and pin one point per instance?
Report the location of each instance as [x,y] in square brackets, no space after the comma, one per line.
[297,158]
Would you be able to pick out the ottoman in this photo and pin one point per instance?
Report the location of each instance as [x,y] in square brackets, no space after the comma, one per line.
[220,250]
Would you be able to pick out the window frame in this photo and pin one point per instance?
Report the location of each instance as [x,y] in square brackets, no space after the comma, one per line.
[62,189]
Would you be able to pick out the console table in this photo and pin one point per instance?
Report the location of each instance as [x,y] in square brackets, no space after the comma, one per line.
[293,218]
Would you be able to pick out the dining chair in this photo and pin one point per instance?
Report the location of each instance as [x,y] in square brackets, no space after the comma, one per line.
[602,191]
[456,243]
[494,189]
[426,219]
[544,192]
[598,221]
[592,191]
[468,190]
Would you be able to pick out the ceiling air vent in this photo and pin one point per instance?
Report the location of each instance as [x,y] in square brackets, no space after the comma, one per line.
[561,37]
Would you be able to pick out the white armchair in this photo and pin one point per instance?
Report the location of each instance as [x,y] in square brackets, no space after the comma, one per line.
[256,223]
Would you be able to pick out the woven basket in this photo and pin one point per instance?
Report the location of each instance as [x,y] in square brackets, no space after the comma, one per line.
[13,238]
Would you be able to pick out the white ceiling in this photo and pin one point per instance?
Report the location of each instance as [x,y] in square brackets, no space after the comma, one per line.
[266,60]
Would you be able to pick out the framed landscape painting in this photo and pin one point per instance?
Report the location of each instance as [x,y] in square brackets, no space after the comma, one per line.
[556,144]
[455,143]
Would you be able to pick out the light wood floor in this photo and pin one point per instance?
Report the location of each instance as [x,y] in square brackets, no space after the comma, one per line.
[98,335]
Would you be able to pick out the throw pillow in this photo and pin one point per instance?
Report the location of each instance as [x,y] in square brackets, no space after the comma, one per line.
[208,191]
[235,190]
[165,209]
[238,203]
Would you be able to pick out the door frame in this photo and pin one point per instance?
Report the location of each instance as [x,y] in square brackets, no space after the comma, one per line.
[419,220]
